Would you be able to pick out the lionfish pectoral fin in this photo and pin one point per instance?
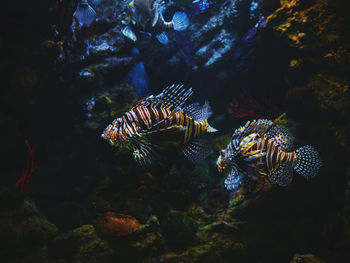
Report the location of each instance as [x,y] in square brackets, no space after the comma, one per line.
[233,181]
[197,150]
[142,158]
[146,155]
[282,175]
[281,136]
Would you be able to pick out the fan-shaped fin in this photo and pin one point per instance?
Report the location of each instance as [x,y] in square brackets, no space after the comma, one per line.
[281,136]
[197,150]
[282,175]
[172,97]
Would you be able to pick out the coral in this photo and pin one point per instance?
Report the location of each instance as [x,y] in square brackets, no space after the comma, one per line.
[111,224]
[30,167]
[22,183]
[247,106]
[296,21]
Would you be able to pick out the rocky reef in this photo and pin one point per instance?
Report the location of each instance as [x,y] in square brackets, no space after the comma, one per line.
[89,202]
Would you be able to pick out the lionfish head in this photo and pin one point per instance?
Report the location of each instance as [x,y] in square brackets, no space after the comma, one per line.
[114,133]
[221,161]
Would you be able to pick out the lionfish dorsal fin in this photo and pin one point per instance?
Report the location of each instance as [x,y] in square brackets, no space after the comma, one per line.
[197,112]
[145,101]
[281,136]
[197,150]
[174,96]
[259,127]
[282,175]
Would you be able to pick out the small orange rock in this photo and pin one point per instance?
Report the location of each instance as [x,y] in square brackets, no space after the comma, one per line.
[112,224]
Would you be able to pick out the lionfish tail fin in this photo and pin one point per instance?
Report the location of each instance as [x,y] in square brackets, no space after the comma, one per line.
[307,161]
[181,21]
[211,129]
[197,149]
[85,14]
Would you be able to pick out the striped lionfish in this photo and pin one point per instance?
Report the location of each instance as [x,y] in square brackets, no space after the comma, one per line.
[162,118]
[259,154]
[148,14]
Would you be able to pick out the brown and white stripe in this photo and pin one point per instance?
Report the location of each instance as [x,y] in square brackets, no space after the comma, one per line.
[274,156]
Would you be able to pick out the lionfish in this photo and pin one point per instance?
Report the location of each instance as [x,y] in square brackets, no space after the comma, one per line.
[259,154]
[157,125]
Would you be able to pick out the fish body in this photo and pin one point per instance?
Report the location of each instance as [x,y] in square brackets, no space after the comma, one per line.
[162,118]
[148,14]
[259,154]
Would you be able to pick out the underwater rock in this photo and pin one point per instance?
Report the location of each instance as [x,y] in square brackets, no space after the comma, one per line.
[215,50]
[108,105]
[92,249]
[316,34]
[112,224]
[80,245]
[306,258]
[178,228]
[138,78]
[24,231]
[220,143]
[148,240]
[215,200]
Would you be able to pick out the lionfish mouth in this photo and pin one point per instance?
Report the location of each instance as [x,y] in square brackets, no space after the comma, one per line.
[108,134]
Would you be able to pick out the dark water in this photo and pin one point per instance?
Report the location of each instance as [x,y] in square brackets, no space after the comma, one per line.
[66,195]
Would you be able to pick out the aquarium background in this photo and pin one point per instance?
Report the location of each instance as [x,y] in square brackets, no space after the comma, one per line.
[68,196]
